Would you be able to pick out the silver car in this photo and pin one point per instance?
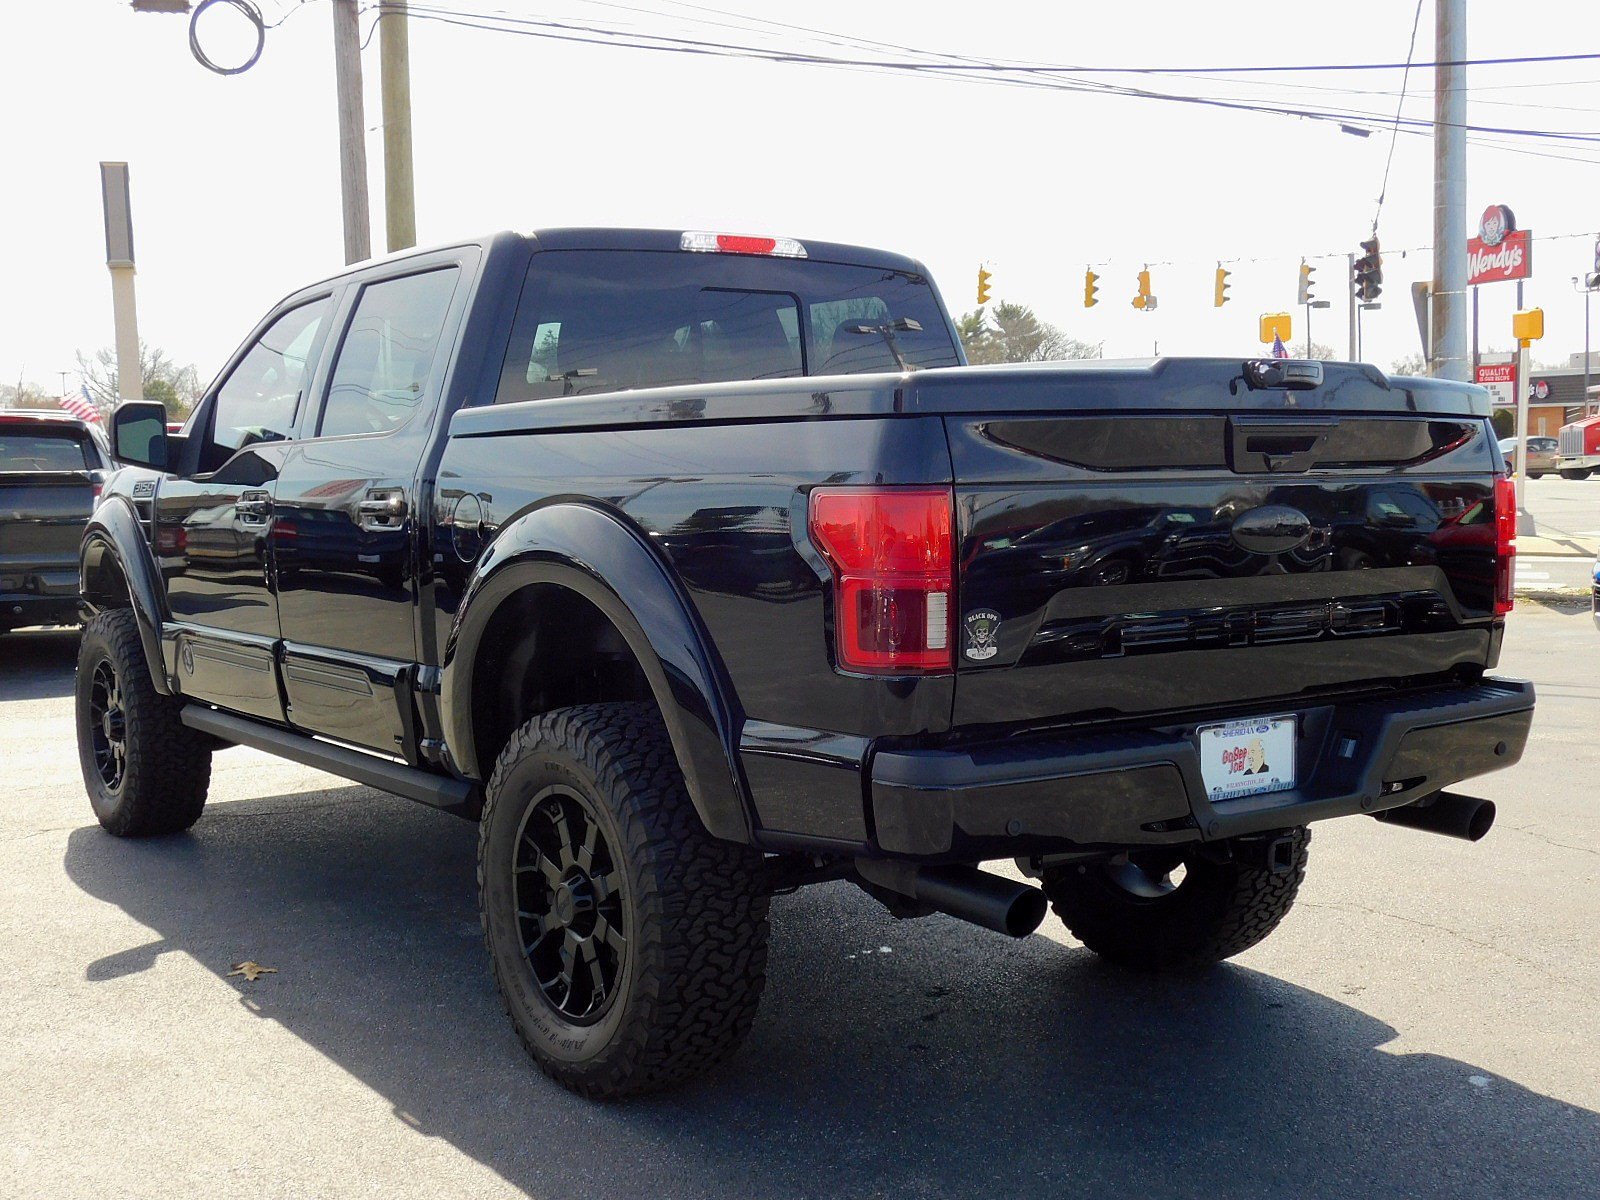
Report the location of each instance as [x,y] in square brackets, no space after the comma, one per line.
[1541,455]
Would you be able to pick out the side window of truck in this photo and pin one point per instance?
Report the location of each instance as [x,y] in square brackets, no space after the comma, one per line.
[382,375]
[257,402]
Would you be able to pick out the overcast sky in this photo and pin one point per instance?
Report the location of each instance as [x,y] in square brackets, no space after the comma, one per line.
[235,180]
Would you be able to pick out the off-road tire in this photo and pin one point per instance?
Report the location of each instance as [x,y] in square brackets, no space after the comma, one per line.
[166,767]
[1216,911]
[694,908]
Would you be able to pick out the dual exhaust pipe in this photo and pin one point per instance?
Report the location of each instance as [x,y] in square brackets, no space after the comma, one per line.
[1016,909]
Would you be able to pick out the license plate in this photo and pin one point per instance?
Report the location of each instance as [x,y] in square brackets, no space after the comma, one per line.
[1244,758]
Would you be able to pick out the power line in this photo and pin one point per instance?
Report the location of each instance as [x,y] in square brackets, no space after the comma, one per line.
[1394,134]
[593,34]
[1042,68]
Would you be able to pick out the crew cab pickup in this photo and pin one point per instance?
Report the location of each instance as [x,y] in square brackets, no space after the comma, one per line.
[51,469]
[699,568]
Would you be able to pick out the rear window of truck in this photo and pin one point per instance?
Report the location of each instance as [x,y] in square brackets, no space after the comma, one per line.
[42,450]
[592,321]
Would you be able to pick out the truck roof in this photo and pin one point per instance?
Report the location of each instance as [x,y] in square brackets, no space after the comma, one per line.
[16,416]
[669,240]
[596,238]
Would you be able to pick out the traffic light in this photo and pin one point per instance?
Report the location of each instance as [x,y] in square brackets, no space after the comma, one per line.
[1276,325]
[1219,295]
[1593,281]
[1527,325]
[1368,281]
[1089,289]
[1144,301]
[1306,271]
[983,286]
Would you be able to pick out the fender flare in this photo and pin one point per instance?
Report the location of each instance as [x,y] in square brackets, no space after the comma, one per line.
[595,553]
[114,529]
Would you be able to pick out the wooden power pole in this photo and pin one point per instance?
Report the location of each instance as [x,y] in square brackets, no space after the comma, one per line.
[352,133]
[399,192]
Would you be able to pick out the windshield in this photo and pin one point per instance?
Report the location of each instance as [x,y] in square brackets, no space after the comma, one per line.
[42,450]
[610,320]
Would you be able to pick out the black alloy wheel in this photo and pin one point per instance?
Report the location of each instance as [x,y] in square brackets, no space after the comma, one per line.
[108,725]
[629,946]
[146,773]
[571,907]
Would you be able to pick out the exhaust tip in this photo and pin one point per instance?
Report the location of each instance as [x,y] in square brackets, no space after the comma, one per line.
[1481,821]
[1449,813]
[1027,912]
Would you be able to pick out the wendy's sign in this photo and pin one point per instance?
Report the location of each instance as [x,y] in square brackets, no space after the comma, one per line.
[1500,251]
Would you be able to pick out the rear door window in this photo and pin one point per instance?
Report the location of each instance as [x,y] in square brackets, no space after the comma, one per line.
[383,374]
[42,450]
[614,320]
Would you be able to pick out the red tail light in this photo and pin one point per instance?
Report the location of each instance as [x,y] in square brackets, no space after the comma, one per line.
[892,559]
[1505,542]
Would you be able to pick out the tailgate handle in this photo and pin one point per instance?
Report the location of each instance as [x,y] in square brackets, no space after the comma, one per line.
[1276,446]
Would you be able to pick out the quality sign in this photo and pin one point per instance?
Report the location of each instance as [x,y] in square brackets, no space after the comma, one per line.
[1501,380]
[1501,251]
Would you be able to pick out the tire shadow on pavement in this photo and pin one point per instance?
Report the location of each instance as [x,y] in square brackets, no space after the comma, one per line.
[921,1058]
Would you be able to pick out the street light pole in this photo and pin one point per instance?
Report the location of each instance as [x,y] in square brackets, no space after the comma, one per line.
[1587,292]
[1578,285]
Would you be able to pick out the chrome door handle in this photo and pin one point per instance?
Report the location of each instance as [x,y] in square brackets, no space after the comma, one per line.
[382,509]
[253,504]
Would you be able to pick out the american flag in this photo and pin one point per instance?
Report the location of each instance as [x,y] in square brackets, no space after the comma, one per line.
[81,406]
[1279,350]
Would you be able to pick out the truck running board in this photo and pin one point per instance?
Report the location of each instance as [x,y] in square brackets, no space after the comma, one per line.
[438,791]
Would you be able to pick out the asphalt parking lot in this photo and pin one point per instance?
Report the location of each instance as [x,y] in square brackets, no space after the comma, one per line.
[1425,1022]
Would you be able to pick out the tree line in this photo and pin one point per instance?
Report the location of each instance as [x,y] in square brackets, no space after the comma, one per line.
[178,387]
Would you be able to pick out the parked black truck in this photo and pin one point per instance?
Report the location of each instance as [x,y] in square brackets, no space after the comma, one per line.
[52,466]
[700,568]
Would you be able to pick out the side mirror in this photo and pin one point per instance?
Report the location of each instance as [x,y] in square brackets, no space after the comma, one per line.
[139,434]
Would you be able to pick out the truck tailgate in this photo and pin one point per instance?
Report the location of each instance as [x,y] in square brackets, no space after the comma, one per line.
[1269,548]
[42,515]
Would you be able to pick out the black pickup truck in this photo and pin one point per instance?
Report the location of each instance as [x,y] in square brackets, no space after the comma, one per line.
[52,466]
[700,568]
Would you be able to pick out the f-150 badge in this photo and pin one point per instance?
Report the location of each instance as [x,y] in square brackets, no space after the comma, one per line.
[983,627]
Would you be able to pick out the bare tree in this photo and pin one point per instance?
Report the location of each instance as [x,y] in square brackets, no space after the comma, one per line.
[25,395]
[164,380]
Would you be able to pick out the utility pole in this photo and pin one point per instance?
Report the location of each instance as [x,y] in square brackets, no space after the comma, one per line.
[399,193]
[1449,341]
[352,132]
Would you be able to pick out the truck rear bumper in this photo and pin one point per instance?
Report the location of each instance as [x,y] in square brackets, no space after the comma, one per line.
[1033,795]
[22,608]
